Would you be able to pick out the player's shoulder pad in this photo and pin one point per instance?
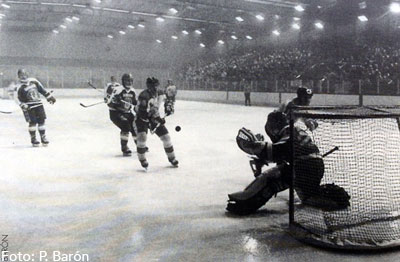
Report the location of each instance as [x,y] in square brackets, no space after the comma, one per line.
[32,80]
[118,89]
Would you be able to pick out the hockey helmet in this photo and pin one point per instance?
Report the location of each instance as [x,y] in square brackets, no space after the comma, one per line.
[152,83]
[22,74]
[127,80]
[304,92]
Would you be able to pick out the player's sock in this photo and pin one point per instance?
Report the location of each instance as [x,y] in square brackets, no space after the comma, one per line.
[124,144]
[42,132]
[32,133]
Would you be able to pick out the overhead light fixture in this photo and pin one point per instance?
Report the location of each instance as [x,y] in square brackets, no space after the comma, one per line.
[160,19]
[299,8]
[198,32]
[221,42]
[260,17]
[98,1]
[63,26]
[277,17]
[75,18]
[234,37]
[296,18]
[122,32]
[141,25]
[174,37]
[296,26]
[5,5]
[202,45]
[131,26]
[56,31]
[238,18]
[276,32]
[159,41]
[249,37]
[110,36]
[185,32]
[319,25]
[395,8]
[68,19]
[363,18]
[173,10]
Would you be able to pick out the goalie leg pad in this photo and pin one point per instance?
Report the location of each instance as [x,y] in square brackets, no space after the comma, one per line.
[258,192]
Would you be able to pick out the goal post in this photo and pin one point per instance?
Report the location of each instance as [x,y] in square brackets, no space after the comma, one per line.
[349,198]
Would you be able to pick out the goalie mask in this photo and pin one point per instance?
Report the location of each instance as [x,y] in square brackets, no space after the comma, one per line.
[304,95]
[127,80]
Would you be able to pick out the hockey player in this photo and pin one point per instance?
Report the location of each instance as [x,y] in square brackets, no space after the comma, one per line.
[309,170]
[148,117]
[170,94]
[28,97]
[121,101]
[280,117]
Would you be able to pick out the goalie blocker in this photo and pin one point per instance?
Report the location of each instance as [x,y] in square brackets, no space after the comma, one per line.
[269,183]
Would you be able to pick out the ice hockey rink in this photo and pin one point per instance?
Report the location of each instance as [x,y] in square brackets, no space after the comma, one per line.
[80,196]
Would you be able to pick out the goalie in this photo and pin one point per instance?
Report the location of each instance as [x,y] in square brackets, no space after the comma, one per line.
[309,170]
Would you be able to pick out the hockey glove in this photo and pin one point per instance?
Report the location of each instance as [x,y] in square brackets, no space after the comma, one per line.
[311,124]
[24,106]
[51,99]
[249,143]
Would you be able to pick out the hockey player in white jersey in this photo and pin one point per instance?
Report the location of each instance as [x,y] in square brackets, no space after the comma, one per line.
[28,91]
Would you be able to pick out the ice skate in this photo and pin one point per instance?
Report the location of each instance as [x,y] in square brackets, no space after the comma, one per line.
[44,140]
[144,164]
[126,151]
[34,142]
[174,162]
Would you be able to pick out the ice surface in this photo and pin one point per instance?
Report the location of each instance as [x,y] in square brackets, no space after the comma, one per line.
[80,194]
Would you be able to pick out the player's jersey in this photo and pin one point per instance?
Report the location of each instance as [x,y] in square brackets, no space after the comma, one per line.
[170,92]
[108,93]
[122,99]
[29,90]
[147,102]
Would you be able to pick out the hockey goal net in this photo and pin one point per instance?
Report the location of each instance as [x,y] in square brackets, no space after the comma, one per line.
[363,145]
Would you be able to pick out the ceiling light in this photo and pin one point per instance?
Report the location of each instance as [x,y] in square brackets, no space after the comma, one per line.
[221,42]
[98,1]
[63,26]
[295,26]
[319,25]
[141,25]
[185,32]
[173,10]
[363,18]
[68,19]
[158,41]
[122,32]
[197,32]
[160,19]
[131,26]
[276,32]
[238,18]
[202,45]
[76,18]
[260,17]
[395,8]
[174,37]
[296,18]
[55,31]
[234,37]
[110,36]
[249,37]
[299,8]
[5,6]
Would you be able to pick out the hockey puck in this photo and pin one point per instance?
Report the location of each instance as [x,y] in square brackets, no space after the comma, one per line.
[177,128]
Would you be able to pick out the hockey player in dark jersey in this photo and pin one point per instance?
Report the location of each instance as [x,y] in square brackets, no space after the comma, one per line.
[121,101]
[148,117]
[170,94]
[279,118]
[28,91]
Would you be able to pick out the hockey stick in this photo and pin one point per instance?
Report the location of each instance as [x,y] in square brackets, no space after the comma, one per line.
[90,105]
[10,112]
[95,88]
[6,112]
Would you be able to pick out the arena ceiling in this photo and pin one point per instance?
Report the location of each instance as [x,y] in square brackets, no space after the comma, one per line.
[105,17]
[162,19]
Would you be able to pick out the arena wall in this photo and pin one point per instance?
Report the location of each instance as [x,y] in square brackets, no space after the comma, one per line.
[260,99]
